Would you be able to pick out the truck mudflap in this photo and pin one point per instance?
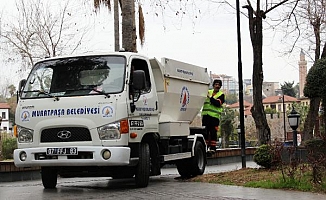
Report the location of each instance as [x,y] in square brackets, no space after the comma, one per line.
[72,156]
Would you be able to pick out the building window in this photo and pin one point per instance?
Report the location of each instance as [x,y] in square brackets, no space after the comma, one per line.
[273,106]
[5,128]
[3,115]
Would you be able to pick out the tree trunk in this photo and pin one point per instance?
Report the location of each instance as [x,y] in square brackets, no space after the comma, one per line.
[134,34]
[116,26]
[309,123]
[127,25]
[256,35]
[226,130]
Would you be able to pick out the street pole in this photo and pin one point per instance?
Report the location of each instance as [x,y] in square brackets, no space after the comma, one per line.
[242,138]
[284,118]
[295,139]
[0,140]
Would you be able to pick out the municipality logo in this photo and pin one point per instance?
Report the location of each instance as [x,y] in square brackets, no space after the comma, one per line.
[25,116]
[184,98]
[107,112]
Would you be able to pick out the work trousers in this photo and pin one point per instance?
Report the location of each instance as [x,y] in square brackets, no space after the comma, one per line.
[211,125]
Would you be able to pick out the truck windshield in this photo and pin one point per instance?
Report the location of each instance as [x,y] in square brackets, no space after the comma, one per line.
[90,75]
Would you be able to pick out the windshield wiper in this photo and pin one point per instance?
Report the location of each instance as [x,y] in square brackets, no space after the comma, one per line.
[101,92]
[91,89]
[47,94]
[42,92]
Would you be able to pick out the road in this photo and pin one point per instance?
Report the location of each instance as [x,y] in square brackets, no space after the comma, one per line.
[166,186]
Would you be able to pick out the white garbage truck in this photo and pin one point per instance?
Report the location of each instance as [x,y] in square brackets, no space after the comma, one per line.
[118,115]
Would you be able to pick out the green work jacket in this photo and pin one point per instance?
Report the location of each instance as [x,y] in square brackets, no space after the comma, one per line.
[210,109]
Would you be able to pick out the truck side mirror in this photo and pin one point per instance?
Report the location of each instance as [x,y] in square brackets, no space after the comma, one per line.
[138,84]
[139,78]
[21,85]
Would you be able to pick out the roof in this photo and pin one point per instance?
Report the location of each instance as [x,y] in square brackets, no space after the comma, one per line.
[4,106]
[247,107]
[247,111]
[278,99]
[237,105]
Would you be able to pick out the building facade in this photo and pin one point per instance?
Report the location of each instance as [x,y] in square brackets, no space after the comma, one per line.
[277,103]
[4,114]
[229,84]
[270,88]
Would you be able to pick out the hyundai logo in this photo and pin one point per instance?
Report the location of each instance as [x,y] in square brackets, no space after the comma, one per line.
[64,134]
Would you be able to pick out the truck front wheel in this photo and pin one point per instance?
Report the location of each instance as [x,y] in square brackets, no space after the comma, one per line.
[49,177]
[143,167]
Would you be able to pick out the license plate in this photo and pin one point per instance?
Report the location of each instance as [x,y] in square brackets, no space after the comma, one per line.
[62,151]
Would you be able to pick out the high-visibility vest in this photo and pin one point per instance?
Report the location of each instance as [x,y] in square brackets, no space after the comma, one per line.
[211,110]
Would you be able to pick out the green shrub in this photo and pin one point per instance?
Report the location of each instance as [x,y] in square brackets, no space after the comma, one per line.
[317,147]
[316,157]
[8,147]
[263,156]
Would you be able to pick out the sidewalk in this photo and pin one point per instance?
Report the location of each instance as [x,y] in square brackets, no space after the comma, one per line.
[213,168]
[238,192]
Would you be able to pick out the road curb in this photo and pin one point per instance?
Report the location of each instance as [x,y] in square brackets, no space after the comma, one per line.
[36,175]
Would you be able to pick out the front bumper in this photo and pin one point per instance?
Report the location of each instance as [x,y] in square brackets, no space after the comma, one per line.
[37,157]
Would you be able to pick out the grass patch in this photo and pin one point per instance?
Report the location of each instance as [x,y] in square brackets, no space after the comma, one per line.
[264,178]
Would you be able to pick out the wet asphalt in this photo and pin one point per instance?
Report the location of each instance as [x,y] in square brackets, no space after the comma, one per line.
[165,187]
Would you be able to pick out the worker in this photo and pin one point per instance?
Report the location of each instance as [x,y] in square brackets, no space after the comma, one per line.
[211,114]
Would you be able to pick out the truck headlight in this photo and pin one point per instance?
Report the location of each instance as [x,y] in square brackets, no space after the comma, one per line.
[109,131]
[25,135]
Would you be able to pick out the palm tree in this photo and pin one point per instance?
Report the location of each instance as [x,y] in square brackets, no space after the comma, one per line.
[116,26]
[128,26]
[128,23]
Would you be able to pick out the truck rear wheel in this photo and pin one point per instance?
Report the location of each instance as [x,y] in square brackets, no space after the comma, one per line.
[143,167]
[193,166]
[49,177]
[199,160]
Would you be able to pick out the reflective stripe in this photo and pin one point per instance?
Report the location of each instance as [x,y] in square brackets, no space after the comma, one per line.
[211,143]
[211,110]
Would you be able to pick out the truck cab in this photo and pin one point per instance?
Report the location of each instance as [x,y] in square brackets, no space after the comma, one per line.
[118,114]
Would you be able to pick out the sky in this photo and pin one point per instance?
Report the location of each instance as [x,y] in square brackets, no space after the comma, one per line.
[208,40]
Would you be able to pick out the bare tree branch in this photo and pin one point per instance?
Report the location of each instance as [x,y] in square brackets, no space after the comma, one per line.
[42,32]
[275,6]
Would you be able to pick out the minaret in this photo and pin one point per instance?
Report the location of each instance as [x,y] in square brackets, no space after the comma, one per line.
[302,72]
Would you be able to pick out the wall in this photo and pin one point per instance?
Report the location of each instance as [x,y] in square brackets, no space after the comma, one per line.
[275,122]
[276,125]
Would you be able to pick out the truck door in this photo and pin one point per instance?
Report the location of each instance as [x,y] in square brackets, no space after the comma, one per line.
[144,118]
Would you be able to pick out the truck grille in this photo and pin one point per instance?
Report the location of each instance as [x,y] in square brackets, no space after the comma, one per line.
[65,134]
